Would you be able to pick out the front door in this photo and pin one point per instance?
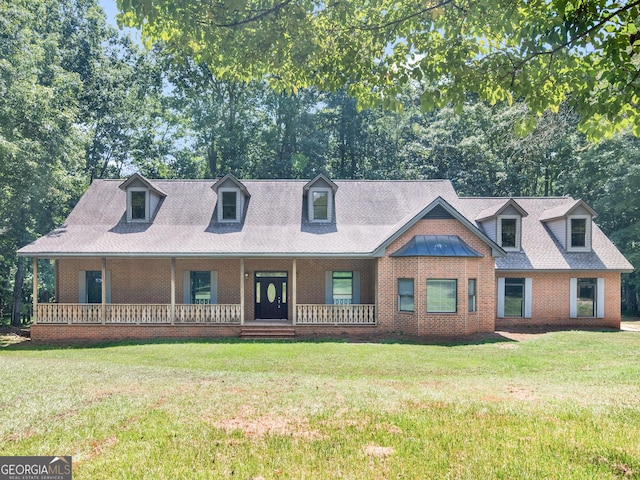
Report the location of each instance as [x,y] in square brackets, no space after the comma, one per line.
[271,295]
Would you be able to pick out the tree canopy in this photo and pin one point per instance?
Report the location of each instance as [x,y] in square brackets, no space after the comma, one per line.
[548,52]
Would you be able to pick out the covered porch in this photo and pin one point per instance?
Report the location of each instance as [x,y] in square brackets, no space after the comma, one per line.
[239,292]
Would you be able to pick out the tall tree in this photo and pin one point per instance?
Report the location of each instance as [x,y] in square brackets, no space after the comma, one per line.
[40,143]
[584,52]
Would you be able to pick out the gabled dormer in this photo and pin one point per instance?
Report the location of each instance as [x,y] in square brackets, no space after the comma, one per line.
[320,193]
[571,225]
[143,198]
[232,196]
[503,224]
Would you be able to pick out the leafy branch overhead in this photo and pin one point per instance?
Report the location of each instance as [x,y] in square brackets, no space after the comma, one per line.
[547,52]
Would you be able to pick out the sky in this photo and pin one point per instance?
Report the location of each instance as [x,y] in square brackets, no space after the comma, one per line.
[110,9]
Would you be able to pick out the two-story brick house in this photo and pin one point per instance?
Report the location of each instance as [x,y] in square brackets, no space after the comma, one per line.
[175,258]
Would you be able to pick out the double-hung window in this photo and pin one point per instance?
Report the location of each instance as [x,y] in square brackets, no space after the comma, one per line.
[320,204]
[138,205]
[471,295]
[509,232]
[406,301]
[229,205]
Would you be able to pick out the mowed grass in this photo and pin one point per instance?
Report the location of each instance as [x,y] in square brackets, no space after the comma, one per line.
[558,405]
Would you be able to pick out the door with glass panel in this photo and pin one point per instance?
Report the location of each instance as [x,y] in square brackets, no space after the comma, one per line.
[271,295]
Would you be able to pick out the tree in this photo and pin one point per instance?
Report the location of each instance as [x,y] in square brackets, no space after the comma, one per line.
[40,142]
[582,52]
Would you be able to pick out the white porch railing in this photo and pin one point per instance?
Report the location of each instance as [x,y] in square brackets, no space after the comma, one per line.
[335,314]
[75,313]
[218,313]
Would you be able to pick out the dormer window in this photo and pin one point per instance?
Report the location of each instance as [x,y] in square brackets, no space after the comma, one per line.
[143,198]
[320,205]
[138,205]
[232,196]
[320,193]
[509,227]
[229,206]
[579,233]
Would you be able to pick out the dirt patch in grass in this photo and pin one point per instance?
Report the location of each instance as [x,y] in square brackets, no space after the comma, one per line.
[270,425]
[378,451]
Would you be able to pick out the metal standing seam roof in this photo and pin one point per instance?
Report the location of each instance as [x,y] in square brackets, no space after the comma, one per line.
[436,246]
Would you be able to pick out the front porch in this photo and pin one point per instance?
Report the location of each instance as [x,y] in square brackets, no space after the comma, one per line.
[229,314]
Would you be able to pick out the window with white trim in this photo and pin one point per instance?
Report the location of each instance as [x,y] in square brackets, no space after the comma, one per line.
[138,204]
[229,205]
[586,298]
[579,233]
[509,227]
[320,204]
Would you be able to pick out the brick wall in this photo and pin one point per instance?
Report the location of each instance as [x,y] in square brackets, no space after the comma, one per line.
[419,322]
[550,300]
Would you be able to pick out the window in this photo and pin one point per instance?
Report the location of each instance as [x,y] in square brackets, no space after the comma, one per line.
[229,205]
[201,288]
[138,206]
[578,232]
[320,205]
[442,296]
[320,201]
[405,295]
[509,232]
[93,279]
[342,287]
[514,297]
[586,298]
[471,294]
[508,236]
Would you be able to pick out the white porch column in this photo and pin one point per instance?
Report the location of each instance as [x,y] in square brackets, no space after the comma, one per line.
[34,318]
[173,290]
[103,312]
[294,290]
[242,291]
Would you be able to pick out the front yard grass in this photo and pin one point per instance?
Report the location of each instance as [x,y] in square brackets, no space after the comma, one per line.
[558,405]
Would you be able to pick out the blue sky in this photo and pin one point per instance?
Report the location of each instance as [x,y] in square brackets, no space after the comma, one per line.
[109,7]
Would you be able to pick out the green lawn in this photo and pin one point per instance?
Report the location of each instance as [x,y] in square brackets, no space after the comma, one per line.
[558,405]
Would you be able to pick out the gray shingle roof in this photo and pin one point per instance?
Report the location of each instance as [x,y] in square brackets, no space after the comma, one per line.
[540,249]
[367,215]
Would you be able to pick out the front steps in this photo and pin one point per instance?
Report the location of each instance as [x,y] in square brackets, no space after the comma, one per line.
[267,332]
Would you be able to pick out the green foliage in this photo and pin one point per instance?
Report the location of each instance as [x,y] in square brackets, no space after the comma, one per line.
[585,53]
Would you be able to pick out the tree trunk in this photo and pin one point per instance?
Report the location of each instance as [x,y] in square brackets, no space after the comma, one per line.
[17,294]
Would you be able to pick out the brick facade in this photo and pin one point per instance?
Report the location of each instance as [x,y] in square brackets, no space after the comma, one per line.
[148,281]
[550,300]
[419,322]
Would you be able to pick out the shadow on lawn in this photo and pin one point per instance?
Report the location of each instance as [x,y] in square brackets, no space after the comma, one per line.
[512,335]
